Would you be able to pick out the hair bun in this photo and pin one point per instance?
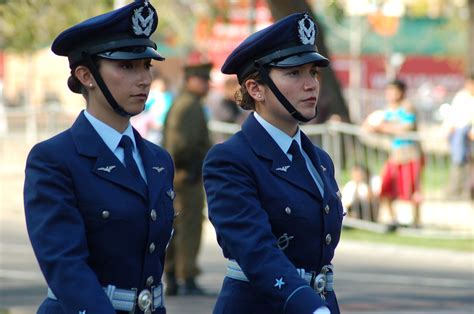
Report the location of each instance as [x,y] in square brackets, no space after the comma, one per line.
[74,85]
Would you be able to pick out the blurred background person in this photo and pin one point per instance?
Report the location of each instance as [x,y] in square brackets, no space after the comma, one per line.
[150,122]
[227,109]
[360,195]
[459,121]
[401,172]
[186,137]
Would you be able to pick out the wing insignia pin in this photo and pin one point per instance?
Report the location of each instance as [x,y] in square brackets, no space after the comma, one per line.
[284,168]
[107,169]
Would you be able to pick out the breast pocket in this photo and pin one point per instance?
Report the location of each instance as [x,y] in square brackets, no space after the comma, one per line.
[289,217]
[111,231]
[99,217]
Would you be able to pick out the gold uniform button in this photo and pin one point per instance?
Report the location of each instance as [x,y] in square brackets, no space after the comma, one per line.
[149,281]
[152,248]
[288,211]
[153,215]
[327,209]
[328,239]
[105,214]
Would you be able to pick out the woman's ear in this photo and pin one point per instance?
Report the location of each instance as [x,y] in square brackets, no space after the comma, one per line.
[254,89]
[84,75]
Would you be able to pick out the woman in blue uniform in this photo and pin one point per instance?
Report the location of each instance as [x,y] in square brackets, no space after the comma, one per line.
[271,193]
[99,198]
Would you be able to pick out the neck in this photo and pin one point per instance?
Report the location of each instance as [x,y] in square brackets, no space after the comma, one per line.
[286,124]
[111,118]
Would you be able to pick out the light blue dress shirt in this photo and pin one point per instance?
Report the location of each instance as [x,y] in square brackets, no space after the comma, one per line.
[284,142]
[112,137]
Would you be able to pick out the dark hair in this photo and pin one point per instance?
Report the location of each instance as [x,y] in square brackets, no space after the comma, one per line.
[73,82]
[365,170]
[242,96]
[399,84]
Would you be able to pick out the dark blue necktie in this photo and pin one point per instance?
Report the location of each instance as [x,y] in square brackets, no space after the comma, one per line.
[299,163]
[126,143]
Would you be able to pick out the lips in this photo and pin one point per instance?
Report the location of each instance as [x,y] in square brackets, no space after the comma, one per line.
[310,99]
[140,96]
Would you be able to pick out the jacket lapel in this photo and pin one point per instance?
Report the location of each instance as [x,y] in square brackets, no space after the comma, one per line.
[312,154]
[107,166]
[155,169]
[264,146]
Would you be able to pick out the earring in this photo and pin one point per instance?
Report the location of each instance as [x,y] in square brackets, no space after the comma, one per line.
[259,96]
[90,85]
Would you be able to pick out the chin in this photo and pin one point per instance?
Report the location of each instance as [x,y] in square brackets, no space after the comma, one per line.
[309,114]
[137,110]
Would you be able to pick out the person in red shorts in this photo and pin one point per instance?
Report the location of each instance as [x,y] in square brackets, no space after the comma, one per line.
[401,173]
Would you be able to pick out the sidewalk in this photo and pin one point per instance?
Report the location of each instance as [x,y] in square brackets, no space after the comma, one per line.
[214,266]
[450,218]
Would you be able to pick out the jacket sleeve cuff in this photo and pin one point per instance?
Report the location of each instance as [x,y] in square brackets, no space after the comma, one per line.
[303,300]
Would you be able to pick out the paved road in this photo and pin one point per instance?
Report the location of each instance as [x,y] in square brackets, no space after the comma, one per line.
[369,278]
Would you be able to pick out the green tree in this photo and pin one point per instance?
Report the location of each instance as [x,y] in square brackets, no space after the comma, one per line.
[28,25]
[470,49]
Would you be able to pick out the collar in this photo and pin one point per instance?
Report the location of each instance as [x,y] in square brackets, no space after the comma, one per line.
[281,138]
[109,135]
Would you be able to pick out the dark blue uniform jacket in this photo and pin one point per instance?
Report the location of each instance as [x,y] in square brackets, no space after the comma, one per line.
[271,223]
[90,224]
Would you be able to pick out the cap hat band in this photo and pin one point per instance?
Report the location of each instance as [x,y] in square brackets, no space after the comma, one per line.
[77,55]
[283,53]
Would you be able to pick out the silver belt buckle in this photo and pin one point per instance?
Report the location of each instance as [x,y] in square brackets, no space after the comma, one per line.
[145,301]
[321,281]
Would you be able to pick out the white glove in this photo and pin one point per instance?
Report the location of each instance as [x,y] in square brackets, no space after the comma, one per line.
[322,310]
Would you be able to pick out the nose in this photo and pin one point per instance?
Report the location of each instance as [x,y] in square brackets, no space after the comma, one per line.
[145,77]
[310,83]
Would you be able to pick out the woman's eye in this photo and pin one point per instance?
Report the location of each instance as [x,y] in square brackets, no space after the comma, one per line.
[314,72]
[293,73]
[126,65]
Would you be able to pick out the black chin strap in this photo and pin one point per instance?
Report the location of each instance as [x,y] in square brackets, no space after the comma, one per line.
[103,87]
[288,106]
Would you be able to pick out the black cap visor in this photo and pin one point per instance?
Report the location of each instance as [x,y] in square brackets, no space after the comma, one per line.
[300,59]
[132,53]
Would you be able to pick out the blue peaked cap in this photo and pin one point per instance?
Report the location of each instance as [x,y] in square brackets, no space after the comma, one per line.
[286,43]
[121,34]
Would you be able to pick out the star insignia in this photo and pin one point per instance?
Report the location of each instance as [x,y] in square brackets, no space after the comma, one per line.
[279,282]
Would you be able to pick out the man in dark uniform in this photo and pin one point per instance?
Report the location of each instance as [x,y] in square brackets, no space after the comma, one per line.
[187,138]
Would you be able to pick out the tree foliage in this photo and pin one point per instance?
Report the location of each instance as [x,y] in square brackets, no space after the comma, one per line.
[27,25]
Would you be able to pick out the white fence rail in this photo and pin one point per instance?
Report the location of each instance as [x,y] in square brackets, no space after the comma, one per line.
[346,143]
